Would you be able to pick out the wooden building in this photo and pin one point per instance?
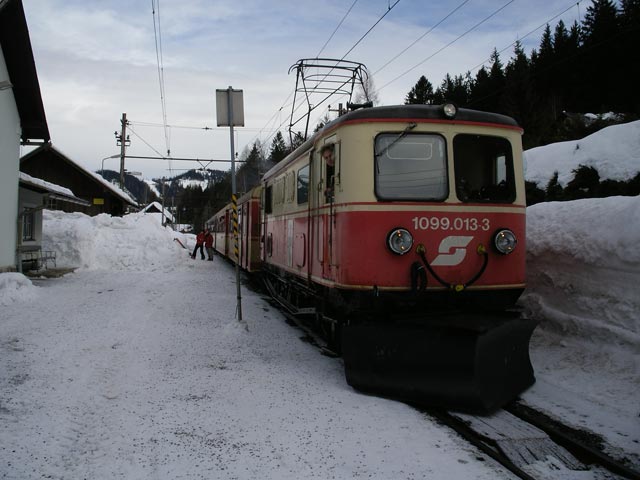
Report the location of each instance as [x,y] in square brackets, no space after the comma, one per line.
[48,163]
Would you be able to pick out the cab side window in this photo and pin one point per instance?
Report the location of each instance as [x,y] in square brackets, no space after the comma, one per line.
[303,185]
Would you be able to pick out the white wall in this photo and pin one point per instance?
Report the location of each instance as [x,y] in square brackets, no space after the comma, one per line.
[9,168]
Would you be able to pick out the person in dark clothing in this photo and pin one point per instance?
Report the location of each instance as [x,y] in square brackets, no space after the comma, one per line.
[208,244]
[329,159]
[199,245]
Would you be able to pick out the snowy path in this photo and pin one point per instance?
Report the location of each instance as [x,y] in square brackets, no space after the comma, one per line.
[148,375]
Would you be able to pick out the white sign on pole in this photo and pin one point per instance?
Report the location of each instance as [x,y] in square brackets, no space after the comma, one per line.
[222,108]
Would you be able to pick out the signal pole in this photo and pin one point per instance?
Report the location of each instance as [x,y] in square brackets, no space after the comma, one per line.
[230,112]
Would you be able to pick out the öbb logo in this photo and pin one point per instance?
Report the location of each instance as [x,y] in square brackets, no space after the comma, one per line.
[452,251]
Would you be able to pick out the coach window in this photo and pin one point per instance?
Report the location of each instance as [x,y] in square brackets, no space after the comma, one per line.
[410,167]
[303,185]
[483,169]
[268,194]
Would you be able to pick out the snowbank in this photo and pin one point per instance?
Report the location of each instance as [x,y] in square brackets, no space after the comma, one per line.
[16,287]
[614,151]
[133,242]
[583,268]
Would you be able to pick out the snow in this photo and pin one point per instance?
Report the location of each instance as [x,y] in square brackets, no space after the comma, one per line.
[159,208]
[614,151]
[135,366]
[193,183]
[153,187]
[51,187]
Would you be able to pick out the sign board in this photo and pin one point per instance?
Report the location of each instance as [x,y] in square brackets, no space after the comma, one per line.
[222,108]
[98,201]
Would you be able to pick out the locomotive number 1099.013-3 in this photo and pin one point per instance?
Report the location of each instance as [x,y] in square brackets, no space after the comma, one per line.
[445,223]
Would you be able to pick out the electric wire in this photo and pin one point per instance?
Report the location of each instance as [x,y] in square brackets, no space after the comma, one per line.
[422,36]
[530,33]
[336,29]
[448,44]
[145,142]
[389,8]
[282,123]
[157,31]
[372,27]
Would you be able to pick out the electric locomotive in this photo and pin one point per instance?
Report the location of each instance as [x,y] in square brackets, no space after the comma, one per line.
[400,230]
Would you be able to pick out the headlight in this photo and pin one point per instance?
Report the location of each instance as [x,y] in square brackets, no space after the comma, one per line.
[399,241]
[449,110]
[505,241]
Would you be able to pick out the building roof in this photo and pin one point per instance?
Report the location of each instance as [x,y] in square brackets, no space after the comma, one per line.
[54,191]
[18,56]
[92,176]
[158,207]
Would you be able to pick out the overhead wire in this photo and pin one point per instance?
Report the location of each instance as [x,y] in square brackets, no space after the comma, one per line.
[157,31]
[389,8]
[372,27]
[421,36]
[448,44]
[145,142]
[531,32]
[273,118]
[336,29]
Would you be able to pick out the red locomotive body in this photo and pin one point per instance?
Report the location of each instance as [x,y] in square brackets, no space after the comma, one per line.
[391,216]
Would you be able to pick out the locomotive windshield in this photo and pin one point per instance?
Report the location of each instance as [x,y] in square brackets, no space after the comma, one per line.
[484,169]
[410,167]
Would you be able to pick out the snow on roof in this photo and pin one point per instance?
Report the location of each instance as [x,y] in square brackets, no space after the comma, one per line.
[159,208]
[115,189]
[50,187]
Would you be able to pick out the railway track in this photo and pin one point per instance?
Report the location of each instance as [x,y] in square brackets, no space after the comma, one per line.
[526,442]
[533,447]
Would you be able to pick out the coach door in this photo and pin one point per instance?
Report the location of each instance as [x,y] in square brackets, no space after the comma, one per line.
[324,232]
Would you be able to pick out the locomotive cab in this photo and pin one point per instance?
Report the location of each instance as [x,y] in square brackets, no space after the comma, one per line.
[403,229]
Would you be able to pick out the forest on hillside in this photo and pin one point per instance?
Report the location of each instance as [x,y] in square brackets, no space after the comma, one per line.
[592,67]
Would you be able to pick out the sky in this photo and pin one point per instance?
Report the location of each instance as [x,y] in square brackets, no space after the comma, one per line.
[98,59]
[135,366]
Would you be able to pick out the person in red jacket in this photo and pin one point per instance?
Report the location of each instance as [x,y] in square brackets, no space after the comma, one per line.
[208,244]
[199,244]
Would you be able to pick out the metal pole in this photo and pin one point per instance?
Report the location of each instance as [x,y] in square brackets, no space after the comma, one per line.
[123,147]
[234,202]
[163,201]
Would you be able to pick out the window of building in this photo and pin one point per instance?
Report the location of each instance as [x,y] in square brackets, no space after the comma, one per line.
[28,226]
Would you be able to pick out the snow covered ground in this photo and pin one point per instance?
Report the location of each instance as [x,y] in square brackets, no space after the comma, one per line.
[134,366]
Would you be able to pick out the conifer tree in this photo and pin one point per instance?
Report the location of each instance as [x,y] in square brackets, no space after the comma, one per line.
[601,43]
[554,189]
[496,83]
[519,100]
[630,25]
[480,93]
[420,93]
[278,148]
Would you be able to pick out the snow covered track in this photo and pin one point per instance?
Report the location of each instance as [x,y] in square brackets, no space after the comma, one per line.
[530,452]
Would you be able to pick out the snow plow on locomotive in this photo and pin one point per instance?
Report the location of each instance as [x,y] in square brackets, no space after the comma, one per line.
[400,233]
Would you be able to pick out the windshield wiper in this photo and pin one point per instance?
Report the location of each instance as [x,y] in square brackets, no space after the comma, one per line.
[410,127]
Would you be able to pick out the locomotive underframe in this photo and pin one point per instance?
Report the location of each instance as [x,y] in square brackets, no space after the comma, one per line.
[435,348]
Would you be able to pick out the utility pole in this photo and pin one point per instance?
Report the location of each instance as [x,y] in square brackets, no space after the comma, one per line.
[123,142]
